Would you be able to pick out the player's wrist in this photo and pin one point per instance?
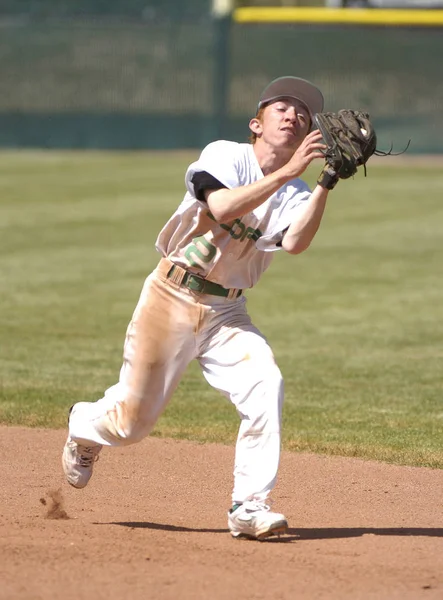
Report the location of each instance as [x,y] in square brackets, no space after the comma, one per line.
[283,175]
[328,178]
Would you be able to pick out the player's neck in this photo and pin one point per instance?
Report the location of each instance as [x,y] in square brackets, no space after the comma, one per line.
[271,159]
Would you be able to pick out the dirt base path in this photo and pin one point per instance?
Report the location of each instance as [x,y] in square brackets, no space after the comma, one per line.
[152,524]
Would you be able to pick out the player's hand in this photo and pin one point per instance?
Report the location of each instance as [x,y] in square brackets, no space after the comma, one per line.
[310,149]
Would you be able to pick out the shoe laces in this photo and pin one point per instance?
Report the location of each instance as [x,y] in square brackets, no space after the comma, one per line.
[87,456]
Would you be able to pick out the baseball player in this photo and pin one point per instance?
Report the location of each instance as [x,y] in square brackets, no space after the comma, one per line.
[243,202]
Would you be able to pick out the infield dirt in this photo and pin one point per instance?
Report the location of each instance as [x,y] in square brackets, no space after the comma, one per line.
[152,525]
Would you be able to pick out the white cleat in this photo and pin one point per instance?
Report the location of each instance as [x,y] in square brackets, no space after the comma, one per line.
[254,520]
[78,462]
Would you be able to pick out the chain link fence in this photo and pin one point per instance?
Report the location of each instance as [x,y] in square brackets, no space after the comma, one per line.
[161,74]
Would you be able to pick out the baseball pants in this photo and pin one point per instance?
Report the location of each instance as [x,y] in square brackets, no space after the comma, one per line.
[170,327]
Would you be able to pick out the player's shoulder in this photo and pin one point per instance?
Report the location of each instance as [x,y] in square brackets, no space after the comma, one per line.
[222,147]
[224,152]
[228,144]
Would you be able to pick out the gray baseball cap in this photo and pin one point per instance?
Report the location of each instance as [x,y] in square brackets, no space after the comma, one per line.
[293,87]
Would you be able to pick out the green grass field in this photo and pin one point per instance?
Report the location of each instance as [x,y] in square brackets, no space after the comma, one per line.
[355,322]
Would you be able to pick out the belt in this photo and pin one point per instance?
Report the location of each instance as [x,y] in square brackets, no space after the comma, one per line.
[198,284]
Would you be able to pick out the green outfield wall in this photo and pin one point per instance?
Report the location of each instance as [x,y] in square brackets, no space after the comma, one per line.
[163,75]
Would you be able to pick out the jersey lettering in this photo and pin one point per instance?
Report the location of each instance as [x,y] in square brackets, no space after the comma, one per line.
[194,250]
[238,230]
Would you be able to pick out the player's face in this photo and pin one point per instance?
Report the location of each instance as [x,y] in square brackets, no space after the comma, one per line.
[284,123]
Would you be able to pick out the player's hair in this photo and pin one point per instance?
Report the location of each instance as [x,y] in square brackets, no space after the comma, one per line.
[253,136]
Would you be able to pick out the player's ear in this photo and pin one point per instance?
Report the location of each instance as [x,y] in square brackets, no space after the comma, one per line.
[255,126]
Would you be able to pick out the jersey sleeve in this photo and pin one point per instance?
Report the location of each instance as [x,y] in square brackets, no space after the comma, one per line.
[284,212]
[203,181]
[219,159]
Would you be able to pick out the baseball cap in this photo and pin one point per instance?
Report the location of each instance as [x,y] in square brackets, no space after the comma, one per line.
[293,87]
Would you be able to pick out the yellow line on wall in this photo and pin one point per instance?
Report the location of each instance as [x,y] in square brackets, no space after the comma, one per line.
[359,16]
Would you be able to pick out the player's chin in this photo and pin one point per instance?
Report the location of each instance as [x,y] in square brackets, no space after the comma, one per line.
[290,144]
[288,136]
[285,144]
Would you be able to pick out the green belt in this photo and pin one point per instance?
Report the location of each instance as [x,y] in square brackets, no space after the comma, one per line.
[198,284]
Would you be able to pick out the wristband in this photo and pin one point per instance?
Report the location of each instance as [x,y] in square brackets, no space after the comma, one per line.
[328,178]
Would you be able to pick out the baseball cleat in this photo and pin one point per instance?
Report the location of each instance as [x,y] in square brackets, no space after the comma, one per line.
[78,462]
[254,520]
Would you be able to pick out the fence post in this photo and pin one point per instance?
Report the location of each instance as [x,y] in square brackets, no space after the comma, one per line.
[222,19]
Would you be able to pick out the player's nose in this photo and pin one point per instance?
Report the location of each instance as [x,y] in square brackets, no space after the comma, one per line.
[291,115]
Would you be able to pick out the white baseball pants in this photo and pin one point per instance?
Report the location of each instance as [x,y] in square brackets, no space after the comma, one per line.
[170,327]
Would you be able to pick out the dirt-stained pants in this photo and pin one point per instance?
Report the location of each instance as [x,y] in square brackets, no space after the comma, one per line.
[170,327]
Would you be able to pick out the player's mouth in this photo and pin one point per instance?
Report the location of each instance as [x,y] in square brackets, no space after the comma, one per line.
[288,130]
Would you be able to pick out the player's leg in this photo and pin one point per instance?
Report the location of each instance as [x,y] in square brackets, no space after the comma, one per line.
[238,361]
[158,347]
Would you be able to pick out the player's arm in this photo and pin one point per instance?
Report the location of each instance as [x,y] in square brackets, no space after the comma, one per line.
[205,185]
[227,204]
[302,230]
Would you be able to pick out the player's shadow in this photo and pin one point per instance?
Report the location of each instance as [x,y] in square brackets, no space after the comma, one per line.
[162,527]
[299,534]
[334,533]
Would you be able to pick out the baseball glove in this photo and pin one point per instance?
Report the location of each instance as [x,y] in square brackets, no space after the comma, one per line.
[350,139]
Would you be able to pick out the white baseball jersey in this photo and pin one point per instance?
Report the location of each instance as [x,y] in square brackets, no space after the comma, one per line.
[233,254]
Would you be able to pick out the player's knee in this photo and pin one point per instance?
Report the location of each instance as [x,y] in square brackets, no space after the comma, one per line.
[134,420]
[265,407]
[275,384]
[135,431]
